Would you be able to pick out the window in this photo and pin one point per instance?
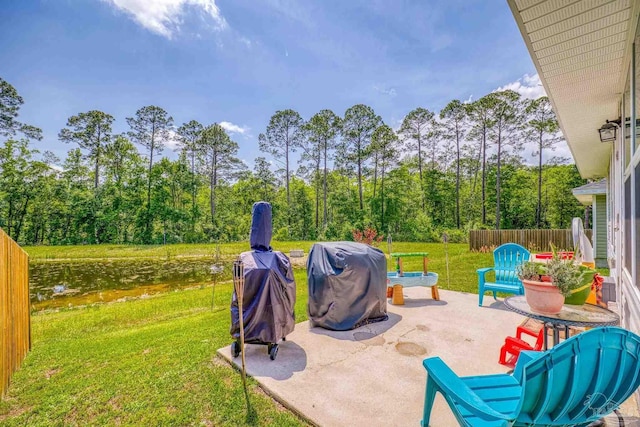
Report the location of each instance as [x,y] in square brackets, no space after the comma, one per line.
[610,210]
[637,221]
[635,80]
[627,241]
[626,152]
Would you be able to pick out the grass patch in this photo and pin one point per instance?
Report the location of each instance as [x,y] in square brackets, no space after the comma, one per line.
[143,362]
[152,361]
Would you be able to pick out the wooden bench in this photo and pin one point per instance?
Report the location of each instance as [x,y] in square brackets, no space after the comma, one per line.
[296,253]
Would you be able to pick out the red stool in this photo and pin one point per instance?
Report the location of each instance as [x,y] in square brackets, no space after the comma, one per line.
[514,345]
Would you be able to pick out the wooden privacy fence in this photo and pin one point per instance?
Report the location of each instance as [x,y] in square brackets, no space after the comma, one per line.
[536,240]
[15,320]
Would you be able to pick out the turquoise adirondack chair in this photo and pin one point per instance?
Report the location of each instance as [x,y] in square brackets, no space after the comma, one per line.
[573,384]
[505,259]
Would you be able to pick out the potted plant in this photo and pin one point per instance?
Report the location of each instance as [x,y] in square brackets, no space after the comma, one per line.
[548,286]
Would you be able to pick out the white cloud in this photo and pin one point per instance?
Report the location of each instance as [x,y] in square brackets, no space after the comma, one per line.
[562,150]
[164,17]
[172,142]
[233,128]
[383,90]
[527,86]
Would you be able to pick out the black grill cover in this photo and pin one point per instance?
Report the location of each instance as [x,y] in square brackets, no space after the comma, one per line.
[347,285]
[269,298]
[269,286]
[260,238]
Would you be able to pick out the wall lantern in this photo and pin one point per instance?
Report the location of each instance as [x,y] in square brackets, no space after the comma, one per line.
[608,130]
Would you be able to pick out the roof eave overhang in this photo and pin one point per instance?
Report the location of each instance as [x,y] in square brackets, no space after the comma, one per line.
[580,120]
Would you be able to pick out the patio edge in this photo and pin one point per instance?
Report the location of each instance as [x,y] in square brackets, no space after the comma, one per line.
[275,396]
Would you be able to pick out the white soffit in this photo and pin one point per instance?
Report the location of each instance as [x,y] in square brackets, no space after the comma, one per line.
[580,51]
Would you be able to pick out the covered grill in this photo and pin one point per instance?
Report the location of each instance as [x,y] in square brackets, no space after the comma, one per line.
[269,289]
[347,285]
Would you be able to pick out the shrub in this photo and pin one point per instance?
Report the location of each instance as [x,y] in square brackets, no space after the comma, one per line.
[369,236]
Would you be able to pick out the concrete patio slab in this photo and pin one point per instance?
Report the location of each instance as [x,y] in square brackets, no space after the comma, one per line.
[373,375]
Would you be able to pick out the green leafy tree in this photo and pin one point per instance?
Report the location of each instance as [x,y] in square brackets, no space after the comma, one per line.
[283,136]
[506,114]
[219,154]
[483,122]
[10,103]
[123,188]
[150,128]
[342,201]
[384,142]
[189,138]
[16,185]
[42,211]
[171,193]
[517,206]
[407,219]
[266,179]
[417,127]
[321,132]
[561,206]
[151,200]
[301,212]
[543,129]
[79,215]
[454,115]
[92,132]
[357,127]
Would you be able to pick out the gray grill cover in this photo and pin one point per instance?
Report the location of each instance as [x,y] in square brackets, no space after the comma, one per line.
[269,286]
[269,298]
[347,285]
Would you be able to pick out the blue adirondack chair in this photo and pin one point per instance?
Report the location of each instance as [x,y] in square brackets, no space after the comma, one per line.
[573,384]
[505,259]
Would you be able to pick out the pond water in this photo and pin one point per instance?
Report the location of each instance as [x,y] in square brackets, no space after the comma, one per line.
[55,284]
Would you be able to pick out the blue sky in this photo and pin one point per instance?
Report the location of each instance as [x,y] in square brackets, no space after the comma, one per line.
[237,62]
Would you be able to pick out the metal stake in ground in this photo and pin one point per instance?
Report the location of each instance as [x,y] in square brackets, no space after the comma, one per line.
[238,284]
[216,269]
[445,240]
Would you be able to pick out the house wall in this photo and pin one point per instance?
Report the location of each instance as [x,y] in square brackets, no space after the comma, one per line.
[624,199]
[623,242]
[600,230]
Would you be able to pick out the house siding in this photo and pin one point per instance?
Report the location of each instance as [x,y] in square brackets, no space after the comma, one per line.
[600,230]
[588,88]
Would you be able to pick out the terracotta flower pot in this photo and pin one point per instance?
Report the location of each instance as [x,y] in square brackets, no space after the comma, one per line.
[543,297]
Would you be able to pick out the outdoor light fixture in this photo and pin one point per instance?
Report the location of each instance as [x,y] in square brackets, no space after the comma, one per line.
[608,130]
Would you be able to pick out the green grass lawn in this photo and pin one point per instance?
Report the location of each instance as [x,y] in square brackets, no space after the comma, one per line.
[152,361]
[143,362]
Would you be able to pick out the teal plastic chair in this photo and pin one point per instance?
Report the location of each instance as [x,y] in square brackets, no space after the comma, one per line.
[573,384]
[505,260]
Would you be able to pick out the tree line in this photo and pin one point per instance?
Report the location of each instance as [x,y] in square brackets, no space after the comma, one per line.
[461,168]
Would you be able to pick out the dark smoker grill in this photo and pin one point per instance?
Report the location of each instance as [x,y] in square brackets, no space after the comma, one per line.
[269,289]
